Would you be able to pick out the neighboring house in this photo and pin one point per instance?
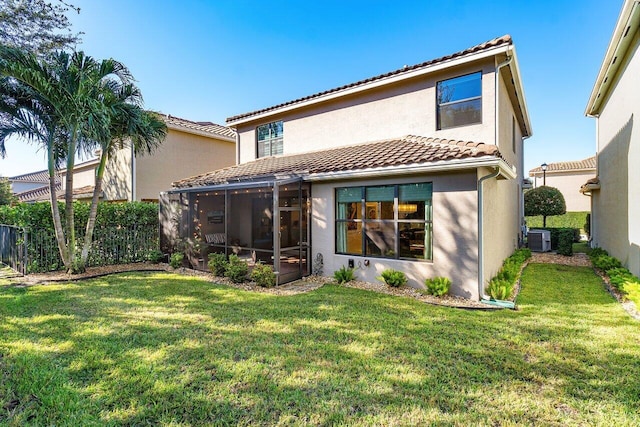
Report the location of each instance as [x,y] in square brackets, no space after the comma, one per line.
[380,173]
[615,104]
[29,181]
[567,177]
[188,146]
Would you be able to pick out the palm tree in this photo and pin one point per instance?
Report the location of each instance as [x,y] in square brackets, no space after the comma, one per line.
[72,104]
[29,114]
[130,125]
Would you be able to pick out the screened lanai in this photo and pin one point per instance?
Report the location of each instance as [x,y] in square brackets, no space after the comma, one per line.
[265,222]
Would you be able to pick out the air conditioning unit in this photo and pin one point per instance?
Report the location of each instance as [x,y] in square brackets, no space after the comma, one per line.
[539,240]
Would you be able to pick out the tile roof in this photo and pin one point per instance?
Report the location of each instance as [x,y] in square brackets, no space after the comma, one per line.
[39,176]
[506,39]
[42,194]
[589,163]
[206,127]
[409,150]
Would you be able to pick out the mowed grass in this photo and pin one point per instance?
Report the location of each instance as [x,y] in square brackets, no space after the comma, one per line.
[162,349]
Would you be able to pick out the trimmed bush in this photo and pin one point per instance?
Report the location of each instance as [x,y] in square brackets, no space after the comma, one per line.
[393,278]
[565,241]
[587,225]
[501,286]
[606,262]
[344,275]
[155,256]
[500,289]
[545,201]
[438,286]
[217,264]
[597,252]
[236,269]
[263,275]
[176,259]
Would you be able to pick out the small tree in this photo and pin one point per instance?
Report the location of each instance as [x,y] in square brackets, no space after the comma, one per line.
[6,195]
[545,201]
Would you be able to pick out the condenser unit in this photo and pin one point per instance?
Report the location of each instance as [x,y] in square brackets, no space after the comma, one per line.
[539,240]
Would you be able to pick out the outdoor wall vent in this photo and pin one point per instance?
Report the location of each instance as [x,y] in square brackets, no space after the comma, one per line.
[539,240]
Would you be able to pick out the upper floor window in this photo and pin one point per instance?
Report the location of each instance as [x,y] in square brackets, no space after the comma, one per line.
[269,139]
[459,101]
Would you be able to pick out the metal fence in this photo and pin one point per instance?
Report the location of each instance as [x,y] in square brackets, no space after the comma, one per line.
[13,251]
[111,245]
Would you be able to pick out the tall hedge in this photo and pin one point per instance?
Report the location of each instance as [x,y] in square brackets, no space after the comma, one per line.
[125,232]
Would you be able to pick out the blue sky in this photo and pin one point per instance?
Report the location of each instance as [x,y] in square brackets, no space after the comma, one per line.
[208,60]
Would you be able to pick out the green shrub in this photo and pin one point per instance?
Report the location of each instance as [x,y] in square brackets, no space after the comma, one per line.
[236,269]
[344,275]
[217,264]
[606,262]
[263,275]
[155,256]
[619,277]
[176,259]
[565,241]
[393,278]
[438,286]
[500,289]
[597,252]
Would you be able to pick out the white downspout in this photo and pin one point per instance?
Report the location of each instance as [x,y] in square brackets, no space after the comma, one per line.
[497,97]
[237,147]
[481,294]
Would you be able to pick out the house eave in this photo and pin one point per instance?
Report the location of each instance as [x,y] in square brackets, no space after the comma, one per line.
[489,52]
[506,171]
[617,49]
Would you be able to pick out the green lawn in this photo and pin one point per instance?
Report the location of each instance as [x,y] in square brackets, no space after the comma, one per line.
[157,348]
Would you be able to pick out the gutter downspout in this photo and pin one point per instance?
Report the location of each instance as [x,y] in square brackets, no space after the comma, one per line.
[483,297]
[134,173]
[237,147]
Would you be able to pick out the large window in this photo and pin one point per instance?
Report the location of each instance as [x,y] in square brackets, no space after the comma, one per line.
[459,101]
[269,139]
[391,221]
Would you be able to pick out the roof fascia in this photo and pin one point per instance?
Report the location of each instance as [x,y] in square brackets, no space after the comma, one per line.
[506,170]
[629,17]
[489,52]
[520,92]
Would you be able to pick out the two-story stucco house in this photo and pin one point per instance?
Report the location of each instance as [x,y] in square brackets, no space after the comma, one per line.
[189,146]
[615,104]
[419,169]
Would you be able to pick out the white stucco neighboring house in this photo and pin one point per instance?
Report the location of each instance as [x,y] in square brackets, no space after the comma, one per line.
[567,177]
[419,169]
[615,104]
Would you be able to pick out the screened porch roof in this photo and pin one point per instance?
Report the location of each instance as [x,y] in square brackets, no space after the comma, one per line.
[390,153]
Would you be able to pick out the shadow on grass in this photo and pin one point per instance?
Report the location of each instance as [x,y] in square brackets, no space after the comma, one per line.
[160,348]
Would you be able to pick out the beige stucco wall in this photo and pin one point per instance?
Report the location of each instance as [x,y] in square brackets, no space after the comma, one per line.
[569,184]
[616,207]
[180,156]
[82,176]
[501,222]
[116,182]
[455,249]
[408,107]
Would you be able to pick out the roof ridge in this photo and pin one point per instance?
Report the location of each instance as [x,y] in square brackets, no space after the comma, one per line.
[497,41]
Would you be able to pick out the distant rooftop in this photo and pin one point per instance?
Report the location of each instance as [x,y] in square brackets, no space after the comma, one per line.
[203,127]
[575,165]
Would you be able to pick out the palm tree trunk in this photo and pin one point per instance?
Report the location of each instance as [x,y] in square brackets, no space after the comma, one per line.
[93,211]
[68,198]
[55,211]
